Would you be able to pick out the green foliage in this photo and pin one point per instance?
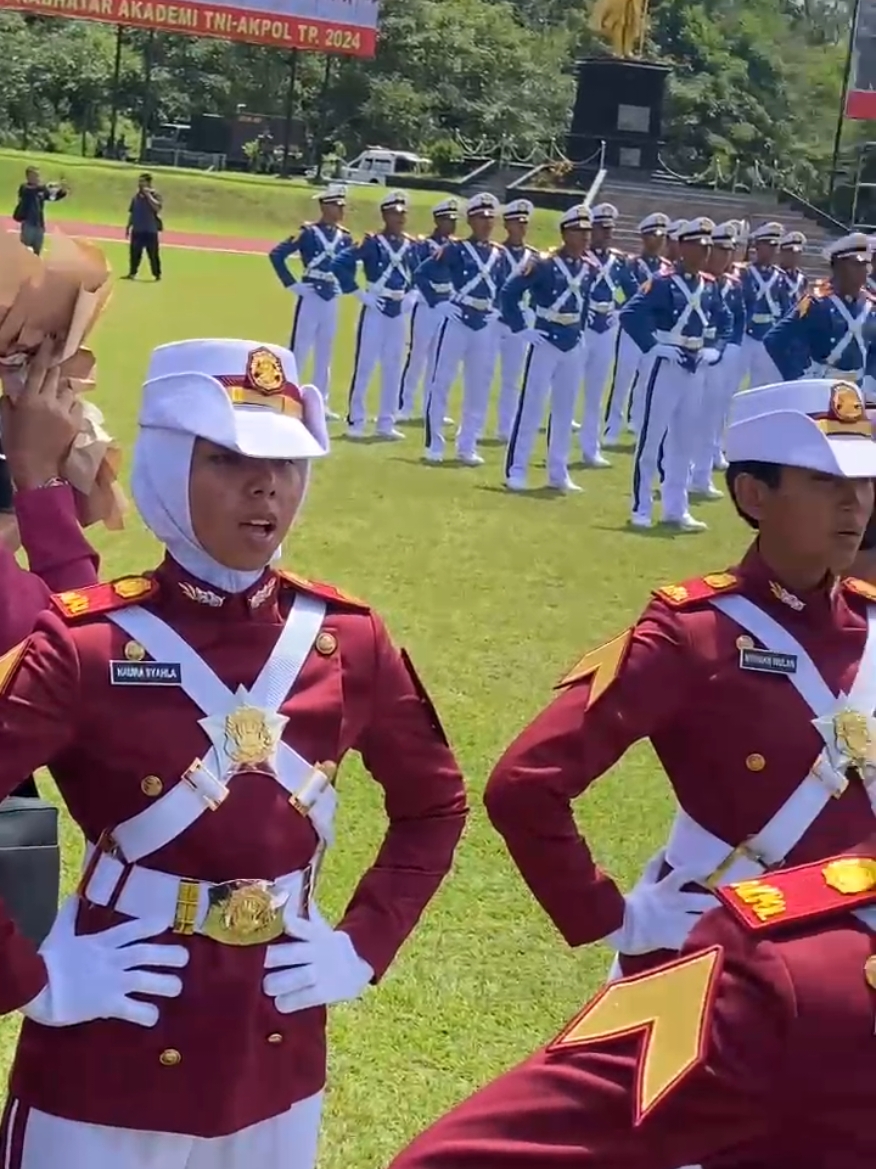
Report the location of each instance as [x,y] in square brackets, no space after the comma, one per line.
[755,83]
[446,155]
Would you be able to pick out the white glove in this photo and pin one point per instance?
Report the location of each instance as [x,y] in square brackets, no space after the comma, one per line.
[869,389]
[321,968]
[448,310]
[710,356]
[92,976]
[658,916]
[409,302]
[300,289]
[529,318]
[367,298]
[668,351]
[533,337]
[493,316]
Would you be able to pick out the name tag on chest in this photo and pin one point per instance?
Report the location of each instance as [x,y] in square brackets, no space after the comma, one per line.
[145,674]
[767,661]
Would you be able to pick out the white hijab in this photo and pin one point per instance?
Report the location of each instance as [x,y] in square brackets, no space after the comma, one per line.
[160,486]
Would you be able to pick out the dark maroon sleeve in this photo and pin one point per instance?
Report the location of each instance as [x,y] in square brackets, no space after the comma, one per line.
[56,548]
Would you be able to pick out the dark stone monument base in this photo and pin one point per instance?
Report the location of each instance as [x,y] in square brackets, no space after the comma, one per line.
[619,103]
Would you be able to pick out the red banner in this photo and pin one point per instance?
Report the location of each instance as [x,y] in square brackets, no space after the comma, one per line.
[861,94]
[291,28]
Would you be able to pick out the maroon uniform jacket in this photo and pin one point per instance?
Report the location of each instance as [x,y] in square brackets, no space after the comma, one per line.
[114,748]
[734,743]
[58,554]
[761,1032]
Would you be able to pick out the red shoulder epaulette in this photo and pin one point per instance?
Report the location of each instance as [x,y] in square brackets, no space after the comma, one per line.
[702,588]
[326,592]
[104,598]
[861,587]
[823,889]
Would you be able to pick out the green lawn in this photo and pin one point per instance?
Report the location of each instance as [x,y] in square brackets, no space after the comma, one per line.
[494,596]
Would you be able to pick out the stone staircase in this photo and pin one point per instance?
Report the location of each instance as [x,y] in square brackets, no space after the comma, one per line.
[634,200]
[498,179]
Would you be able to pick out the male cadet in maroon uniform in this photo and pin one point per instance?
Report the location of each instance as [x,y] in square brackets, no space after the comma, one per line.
[193,719]
[761,1032]
[745,681]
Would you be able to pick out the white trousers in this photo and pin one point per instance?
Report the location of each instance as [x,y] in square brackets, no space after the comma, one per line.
[380,340]
[757,364]
[425,326]
[720,383]
[475,351]
[627,358]
[599,354]
[672,409]
[549,373]
[313,331]
[36,1140]
[512,357]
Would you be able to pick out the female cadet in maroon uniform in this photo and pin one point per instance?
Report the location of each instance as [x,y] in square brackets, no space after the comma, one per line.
[193,719]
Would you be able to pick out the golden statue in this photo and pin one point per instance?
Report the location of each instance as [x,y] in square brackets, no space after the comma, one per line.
[622,23]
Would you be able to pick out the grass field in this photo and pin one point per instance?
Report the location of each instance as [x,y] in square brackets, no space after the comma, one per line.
[494,596]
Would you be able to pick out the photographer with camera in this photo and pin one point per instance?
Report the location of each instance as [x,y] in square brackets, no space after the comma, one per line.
[144,225]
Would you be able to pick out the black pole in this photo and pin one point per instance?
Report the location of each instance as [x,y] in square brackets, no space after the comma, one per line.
[287,116]
[841,117]
[117,70]
[146,114]
[323,111]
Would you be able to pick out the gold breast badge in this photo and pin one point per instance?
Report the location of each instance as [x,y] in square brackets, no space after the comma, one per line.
[247,738]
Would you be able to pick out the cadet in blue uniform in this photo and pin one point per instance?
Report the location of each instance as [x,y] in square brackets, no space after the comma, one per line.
[316,313]
[512,346]
[387,259]
[791,247]
[669,320]
[477,268]
[557,286]
[426,321]
[600,335]
[670,251]
[766,302]
[871,276]
[639,271]
[721,381]
[831,332]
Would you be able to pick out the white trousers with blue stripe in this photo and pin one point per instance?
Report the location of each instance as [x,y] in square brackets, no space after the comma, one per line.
[380,340]
[549,374]
[313,332]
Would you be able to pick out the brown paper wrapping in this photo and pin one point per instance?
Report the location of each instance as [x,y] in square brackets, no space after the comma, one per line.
[62,297]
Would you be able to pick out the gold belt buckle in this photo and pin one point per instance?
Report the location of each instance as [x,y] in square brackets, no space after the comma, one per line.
[740,852]
[244,913]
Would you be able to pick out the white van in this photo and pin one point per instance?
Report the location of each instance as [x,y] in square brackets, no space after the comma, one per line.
[377,165]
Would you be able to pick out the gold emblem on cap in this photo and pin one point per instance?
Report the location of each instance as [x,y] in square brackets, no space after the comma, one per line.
[755,762]
[264,371]
[326,644]
[845,403]
[131,587]
[851,875]
[134,651]
[870,971]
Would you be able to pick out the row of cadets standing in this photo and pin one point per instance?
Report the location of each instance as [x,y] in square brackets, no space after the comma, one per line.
[831,332]
[671,320]
[476,268]
[426,320]
[316,312]
[557,287]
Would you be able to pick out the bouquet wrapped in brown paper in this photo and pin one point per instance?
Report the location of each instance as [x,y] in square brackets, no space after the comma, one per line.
[61,297]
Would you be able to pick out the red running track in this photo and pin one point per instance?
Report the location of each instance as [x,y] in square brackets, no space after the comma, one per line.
[173,239]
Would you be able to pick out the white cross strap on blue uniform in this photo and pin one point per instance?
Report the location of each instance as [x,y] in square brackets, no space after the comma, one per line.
[334,193]
[518,209]
[446,209]
[673,229]
[767,233]
[725,235]
[816,423]
[695,231]
[577,218]
[394,201]
[483,203]
[793,241]
[857,245]
[654,224]
[605,214]
[396,261]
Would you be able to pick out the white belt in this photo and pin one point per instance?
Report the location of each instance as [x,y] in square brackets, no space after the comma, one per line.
[762,318]
[481,305]
[441,287]
[666,338]
[187,906]
[388,293]
[325,277]
[547,314]
[602,306]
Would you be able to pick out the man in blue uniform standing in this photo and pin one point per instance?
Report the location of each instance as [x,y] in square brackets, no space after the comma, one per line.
[721,381]
[831,332]
[477,268]
[316,313]
[670,320]
[512,346]
[638,272]
[766,302]
[791,247]
[387,258]
[557,286]
[600,336]
[426,321]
